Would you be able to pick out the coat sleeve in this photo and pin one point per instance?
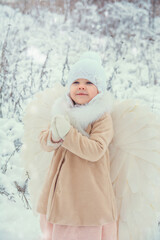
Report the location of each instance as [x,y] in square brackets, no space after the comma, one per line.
[94,147]
[46,141]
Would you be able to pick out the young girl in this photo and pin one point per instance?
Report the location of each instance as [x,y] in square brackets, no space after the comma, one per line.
[93,164]
[77,201]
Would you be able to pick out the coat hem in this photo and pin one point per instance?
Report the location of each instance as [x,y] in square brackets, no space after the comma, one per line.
[81,225]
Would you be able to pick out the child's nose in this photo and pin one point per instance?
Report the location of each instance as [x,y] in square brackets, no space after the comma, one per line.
[82,87]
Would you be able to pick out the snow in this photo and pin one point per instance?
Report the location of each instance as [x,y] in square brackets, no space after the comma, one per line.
[38,50]
[17,222]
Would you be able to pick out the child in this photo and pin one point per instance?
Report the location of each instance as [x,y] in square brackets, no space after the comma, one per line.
[85,177]
[77,201]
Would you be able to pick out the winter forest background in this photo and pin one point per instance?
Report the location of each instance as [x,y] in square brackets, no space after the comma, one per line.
[39,41]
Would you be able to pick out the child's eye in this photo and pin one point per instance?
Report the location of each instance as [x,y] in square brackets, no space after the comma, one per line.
[76,82]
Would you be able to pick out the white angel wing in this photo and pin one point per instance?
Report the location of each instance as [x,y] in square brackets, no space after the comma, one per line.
[36,119]
[135,170]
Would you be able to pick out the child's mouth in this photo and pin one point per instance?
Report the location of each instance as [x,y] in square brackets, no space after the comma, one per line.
[81,94]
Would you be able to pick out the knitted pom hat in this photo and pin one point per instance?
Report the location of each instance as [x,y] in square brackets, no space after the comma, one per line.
[88,67]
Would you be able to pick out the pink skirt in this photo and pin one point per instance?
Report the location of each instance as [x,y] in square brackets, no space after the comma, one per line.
[62,232]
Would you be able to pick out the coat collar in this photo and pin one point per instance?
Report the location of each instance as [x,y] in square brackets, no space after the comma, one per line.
[82,115]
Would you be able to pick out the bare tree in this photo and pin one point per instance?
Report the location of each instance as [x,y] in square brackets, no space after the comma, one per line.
[152,12]
[66,9]
[3,69]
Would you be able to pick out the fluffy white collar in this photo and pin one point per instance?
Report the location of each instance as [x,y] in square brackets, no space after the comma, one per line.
[82,115]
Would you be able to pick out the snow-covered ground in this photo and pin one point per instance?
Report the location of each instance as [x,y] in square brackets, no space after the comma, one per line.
[16,219]
[37,50]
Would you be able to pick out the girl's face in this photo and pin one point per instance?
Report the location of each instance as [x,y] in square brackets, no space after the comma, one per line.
[82,91]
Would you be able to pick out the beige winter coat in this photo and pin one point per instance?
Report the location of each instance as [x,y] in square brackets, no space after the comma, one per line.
[78,189]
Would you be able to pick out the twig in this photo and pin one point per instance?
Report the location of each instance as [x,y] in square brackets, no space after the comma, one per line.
[4,167]
[22,191]
[64,65]
[43,72]
[4,192]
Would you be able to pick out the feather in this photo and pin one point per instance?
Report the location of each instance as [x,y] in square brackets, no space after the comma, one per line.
[135,170]
[36,119]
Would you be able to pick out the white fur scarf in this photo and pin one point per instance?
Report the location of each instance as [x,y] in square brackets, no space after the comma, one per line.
[82,115]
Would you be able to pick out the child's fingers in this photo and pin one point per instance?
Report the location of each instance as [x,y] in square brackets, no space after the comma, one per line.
[55,135]
[61,117]
[62,125]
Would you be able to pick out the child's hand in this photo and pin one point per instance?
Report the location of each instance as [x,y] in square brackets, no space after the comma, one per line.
[55,135]
[62,125]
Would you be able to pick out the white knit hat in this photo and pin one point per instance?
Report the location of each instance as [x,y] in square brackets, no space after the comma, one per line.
[88,67]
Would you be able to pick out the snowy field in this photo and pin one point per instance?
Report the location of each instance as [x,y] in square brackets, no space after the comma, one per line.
[37,50]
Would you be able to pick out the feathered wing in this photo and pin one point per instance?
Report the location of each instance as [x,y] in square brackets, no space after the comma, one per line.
[36,119]
[135,170]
